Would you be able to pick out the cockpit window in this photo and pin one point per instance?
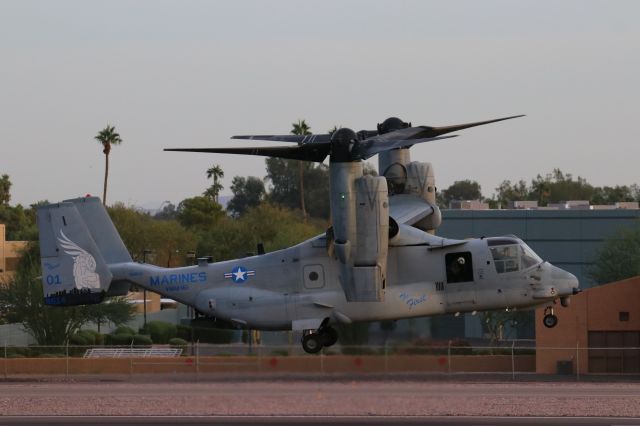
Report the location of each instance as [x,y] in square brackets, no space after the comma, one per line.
[529,258]
[505,258]
[513,257]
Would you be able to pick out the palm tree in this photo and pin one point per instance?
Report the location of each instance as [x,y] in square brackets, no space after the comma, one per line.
[216,173]
[301,128]
[107,137]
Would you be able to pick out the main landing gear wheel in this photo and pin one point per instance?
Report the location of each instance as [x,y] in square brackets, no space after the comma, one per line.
[549,320]
[312,343]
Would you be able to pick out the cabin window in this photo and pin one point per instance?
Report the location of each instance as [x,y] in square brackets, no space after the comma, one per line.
[459,267]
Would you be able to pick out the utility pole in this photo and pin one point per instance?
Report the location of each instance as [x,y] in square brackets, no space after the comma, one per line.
[144,290]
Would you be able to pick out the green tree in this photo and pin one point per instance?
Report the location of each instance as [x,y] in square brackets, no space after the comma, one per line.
[619,257]
[199,213]
[216,173]
[301,128]
[116,310]
[134,227]
[170,243]
[20,222]
[272,225]
[461,190]
[283,175]
[615,194]
[107,137]
[508,192]
[168,211]
[5,190]
[247,193]
[22,301]
[500,323]
[557,187]
[140,232]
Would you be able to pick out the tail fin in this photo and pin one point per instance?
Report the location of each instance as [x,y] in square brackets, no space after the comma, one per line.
[77,241]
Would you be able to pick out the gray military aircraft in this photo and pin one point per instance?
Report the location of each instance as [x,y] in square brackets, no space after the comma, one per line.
[378,261]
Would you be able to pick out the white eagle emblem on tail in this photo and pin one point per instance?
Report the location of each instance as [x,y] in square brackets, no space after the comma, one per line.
[84,265]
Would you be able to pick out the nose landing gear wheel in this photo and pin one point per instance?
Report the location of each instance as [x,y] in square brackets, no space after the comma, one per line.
[550,320]
[312,343]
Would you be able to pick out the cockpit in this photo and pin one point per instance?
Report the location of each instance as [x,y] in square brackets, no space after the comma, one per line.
[511,254]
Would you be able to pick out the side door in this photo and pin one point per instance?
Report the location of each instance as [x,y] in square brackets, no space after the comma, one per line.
[459,283]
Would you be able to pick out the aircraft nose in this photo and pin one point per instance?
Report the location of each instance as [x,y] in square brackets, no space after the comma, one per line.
[565,282]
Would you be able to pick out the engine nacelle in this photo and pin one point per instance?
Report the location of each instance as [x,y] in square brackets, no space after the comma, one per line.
[360,216]
[372,236]
[421,181]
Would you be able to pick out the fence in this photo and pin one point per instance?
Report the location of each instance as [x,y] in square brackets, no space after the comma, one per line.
[206,360]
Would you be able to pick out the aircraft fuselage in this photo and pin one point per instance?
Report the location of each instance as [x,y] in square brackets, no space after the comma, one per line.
[297,288]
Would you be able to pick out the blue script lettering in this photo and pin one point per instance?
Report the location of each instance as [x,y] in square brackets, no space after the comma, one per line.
[412,301]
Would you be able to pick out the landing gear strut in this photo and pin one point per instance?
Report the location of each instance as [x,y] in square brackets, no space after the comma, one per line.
[314,341]
[549,320]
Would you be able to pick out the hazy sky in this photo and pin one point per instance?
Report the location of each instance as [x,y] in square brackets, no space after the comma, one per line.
[193,73]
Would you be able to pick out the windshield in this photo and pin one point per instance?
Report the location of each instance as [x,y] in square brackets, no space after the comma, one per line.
[513,256]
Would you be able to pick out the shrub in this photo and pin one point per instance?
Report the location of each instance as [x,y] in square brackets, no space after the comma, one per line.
[179,343]
[79,340]
[183,332]
[118,339]
[212,335]
[461,347]
[89,336]
[161,332]
[357,350]
[37,351]
[142,340]
[18,352]
[123,329]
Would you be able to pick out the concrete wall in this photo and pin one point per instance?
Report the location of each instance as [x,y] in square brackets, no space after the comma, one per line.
[266,364]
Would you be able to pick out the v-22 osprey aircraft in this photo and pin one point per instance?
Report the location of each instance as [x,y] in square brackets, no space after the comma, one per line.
[379,260]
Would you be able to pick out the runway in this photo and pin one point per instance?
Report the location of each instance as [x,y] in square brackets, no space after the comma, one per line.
[318,420]
[345,402]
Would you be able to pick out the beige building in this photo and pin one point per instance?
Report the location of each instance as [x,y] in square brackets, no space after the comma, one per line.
[10,252]
[598,333]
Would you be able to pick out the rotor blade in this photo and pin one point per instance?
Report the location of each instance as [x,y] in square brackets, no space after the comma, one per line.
[366,150]
[299,139]
[315,153]
[430,132]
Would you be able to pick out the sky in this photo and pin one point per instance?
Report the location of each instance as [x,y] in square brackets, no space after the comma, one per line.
[193,73]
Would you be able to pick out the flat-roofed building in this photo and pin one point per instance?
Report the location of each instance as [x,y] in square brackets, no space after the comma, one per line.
[598,333]
[10,253]
[468,205]
[569,239]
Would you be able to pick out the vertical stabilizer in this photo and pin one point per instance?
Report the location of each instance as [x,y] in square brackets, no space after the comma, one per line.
[74,270]
[102,230]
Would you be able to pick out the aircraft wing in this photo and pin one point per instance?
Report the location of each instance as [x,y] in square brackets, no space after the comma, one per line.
[408,209]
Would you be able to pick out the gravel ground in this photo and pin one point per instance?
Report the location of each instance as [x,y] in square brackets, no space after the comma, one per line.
[322,398]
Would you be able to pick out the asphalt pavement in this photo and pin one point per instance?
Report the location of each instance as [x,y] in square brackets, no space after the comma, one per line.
[314,420]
